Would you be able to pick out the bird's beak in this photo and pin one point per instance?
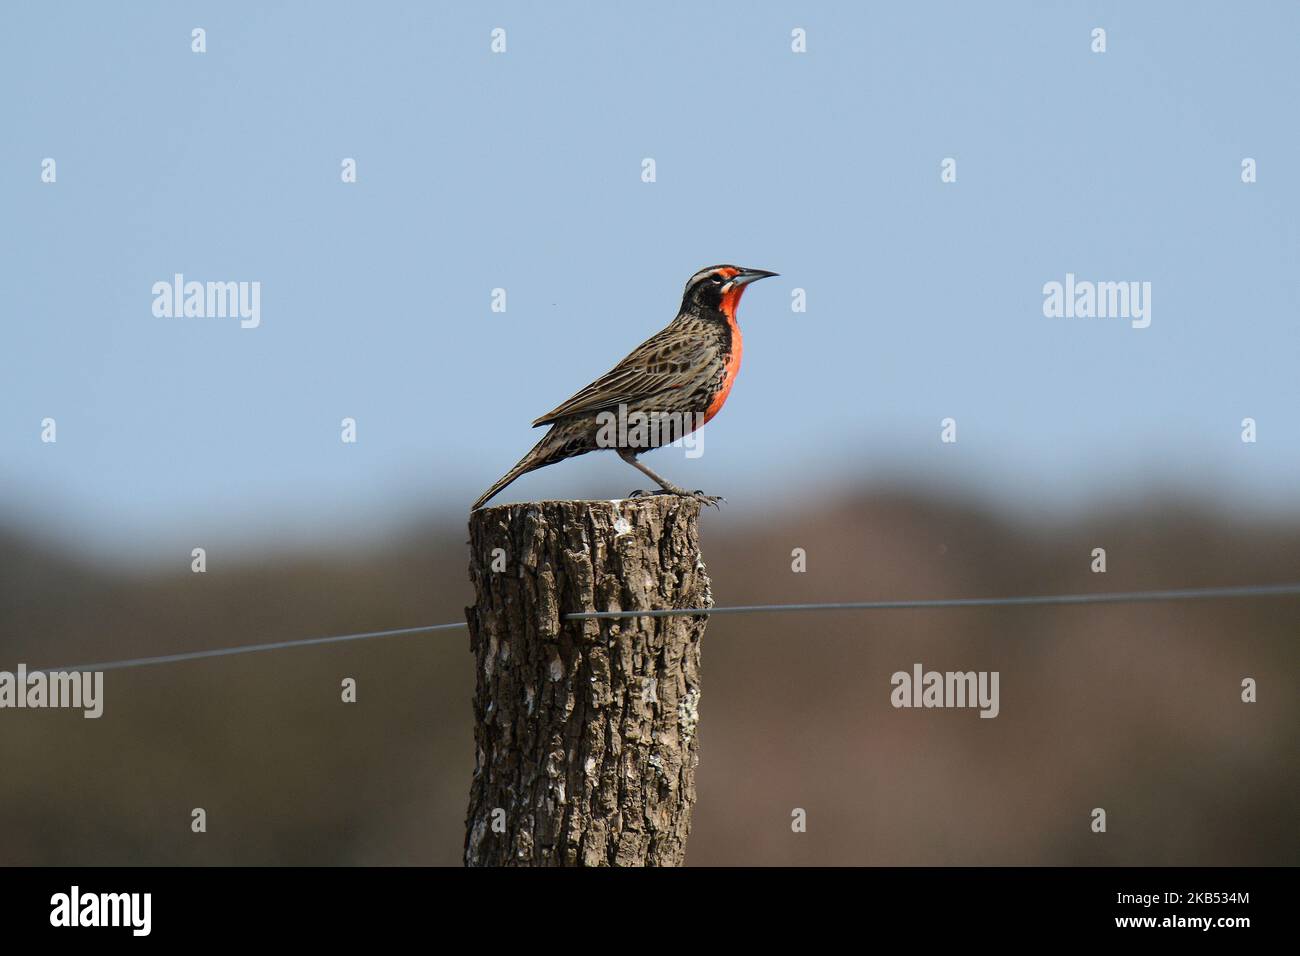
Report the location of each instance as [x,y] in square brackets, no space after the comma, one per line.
[746,276]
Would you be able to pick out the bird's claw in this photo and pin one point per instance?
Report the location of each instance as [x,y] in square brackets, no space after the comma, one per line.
[700,496]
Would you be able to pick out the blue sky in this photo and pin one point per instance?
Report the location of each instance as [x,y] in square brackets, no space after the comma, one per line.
[522,170]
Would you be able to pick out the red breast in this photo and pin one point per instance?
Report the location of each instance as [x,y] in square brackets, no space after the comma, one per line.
[730,301]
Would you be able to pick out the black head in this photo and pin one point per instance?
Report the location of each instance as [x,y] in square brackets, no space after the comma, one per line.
[718,288]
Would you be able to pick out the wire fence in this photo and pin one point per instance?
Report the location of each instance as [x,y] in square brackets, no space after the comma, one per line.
[1117,597]
[245,649]
[1036,600]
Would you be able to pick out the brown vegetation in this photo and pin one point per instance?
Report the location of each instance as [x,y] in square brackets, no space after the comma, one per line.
[1135,708]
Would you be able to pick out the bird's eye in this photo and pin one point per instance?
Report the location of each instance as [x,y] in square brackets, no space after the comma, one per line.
[717,278]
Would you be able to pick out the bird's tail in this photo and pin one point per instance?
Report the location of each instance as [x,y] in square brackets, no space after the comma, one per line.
[539,455]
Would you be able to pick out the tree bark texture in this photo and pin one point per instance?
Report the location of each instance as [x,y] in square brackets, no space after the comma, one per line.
[585,731]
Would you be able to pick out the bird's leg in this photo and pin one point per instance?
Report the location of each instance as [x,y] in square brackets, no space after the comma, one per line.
[629,456]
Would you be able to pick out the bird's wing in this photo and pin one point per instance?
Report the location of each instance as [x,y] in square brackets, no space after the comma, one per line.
[657,365]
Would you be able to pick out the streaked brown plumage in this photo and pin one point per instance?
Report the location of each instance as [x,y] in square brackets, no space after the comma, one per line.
[679,378]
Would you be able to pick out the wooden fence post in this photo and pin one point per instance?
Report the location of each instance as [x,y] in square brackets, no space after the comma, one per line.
[585,731]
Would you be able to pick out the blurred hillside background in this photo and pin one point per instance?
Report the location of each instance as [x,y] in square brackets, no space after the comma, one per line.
[522,171]
[1134,708]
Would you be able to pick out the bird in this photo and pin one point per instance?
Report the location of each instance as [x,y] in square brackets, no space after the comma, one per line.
[667,387]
